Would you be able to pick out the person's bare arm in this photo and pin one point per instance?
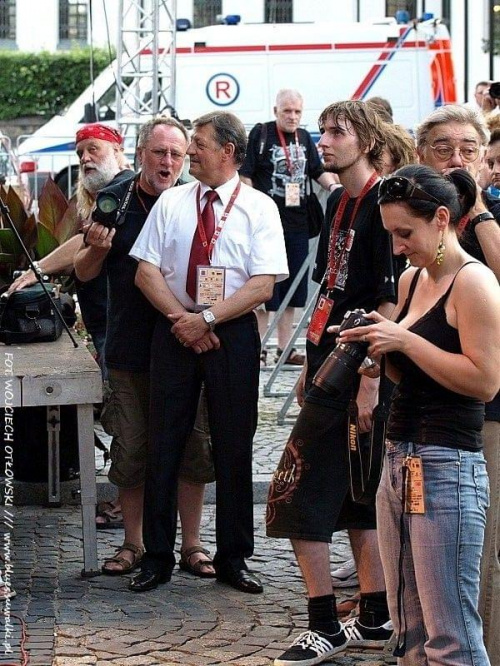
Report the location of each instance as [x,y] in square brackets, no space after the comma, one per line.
[61,260]
[91,255]
[488,236]
[150,281]
[328,181]
[366,398]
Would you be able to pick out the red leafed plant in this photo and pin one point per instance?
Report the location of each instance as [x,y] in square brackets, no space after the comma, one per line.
[56,221]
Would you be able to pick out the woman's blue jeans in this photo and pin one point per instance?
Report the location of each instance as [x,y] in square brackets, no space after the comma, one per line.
[442,554]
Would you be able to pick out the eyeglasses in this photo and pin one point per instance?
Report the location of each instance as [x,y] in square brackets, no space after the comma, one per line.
[444,152]
[398,188]
[161,154]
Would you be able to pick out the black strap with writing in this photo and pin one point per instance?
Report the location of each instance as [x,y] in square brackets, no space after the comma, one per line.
[366,451]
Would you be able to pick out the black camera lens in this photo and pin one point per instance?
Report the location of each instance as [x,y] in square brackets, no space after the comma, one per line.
[340,368]
[106,209]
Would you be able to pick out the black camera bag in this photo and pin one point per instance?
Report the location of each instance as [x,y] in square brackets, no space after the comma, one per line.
[29,315]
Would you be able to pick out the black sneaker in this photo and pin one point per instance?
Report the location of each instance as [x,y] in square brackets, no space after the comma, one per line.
[312,647]
[368,637]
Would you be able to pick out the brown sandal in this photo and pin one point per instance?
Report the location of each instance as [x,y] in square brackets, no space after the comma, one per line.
[197,568]
[127,566]
[108,516]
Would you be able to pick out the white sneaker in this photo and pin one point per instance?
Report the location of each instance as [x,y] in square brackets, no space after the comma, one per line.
[346,575]
[367,637]
[312,647]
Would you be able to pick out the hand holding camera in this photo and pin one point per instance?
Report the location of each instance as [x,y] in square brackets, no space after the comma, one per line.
[99,236]
[341,366]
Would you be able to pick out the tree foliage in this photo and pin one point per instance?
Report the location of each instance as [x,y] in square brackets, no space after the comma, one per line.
[44,83]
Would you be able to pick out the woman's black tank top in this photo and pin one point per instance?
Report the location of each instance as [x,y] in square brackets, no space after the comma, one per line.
[423,411]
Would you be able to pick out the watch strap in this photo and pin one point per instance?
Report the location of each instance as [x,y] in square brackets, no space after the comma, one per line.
[482,217]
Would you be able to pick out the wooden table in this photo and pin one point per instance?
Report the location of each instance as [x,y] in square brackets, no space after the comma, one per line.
[53,374]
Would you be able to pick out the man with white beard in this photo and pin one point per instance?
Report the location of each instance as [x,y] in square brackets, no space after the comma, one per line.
[102,161]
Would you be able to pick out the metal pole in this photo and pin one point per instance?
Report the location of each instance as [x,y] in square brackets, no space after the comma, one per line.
[466,50]
[491,39]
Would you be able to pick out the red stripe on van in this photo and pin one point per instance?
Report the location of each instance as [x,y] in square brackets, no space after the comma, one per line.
[361,45]
[226,49]
[300,47]
[257,48]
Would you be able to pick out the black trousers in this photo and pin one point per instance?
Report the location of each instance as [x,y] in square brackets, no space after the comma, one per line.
[231,378]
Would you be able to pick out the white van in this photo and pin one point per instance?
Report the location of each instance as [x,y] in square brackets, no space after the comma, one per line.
[240,68]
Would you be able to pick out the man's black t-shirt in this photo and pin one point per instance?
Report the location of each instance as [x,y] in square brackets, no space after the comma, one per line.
[366,276]
[269,170]
[93,295]
[131,317]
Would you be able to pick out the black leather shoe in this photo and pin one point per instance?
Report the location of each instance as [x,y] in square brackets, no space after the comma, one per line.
[148,580]
[242,580]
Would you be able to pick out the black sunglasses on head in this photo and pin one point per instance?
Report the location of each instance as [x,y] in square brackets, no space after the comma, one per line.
[398,188]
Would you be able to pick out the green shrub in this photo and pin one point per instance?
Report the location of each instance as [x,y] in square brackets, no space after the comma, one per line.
[44,83]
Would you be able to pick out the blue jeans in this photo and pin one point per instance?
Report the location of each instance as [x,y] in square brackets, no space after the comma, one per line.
[442,556]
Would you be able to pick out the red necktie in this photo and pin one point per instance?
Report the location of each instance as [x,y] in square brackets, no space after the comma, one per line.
[199,254]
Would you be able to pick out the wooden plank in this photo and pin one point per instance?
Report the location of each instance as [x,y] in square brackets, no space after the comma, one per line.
[56,358]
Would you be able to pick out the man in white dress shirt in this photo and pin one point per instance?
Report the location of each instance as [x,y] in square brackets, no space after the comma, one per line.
[209,253]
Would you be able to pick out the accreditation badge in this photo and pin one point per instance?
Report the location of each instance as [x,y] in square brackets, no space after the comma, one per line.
[210,286]
[292,195]
[319,319]
[414,488]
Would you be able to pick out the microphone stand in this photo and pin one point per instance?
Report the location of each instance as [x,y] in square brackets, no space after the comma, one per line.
[5,211]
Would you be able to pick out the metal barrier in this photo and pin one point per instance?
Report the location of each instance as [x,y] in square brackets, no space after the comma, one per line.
[306,267]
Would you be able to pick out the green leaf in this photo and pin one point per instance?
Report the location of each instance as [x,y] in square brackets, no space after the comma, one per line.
[9,242]
[45,243]
[6,258]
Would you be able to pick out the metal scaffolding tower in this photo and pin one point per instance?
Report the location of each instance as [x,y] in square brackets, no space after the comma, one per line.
[145,74]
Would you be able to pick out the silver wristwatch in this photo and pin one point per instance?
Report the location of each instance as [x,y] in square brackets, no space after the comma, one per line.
[209,318]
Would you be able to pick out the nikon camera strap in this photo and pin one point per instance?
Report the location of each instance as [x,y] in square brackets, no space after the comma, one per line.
[366,451]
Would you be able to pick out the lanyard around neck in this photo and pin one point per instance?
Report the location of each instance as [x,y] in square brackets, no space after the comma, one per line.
[334,264]
[201,228]
[286,149]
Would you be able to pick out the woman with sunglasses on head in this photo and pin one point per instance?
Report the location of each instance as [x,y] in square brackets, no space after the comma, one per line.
[442,350]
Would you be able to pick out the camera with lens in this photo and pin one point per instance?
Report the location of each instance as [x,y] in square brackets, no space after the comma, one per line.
[340,368]
[106,209]
[494,90]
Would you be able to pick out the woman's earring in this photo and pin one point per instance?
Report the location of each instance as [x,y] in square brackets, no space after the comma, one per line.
[440,252]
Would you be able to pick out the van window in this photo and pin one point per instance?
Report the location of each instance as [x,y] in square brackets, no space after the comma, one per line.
[106,104]
[205,12]
[278,11]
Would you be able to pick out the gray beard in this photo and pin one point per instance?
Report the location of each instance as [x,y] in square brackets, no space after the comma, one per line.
[101,176]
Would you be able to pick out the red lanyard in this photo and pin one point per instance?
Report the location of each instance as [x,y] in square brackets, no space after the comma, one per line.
[286,150]
[217,232]
[334,265]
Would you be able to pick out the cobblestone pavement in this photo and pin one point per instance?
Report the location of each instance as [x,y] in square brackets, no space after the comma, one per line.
[70,621]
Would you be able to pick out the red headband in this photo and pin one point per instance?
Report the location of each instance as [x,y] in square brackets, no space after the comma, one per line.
[98,131]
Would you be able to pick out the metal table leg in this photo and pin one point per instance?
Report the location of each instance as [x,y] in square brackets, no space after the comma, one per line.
[88,488]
